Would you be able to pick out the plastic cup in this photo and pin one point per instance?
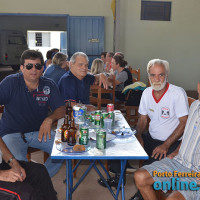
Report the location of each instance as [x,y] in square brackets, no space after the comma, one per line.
[107,125]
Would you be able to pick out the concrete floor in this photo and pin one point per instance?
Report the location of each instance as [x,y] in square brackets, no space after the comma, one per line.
[89,189]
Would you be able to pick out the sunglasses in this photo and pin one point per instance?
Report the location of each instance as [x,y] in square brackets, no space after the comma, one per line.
[38,66]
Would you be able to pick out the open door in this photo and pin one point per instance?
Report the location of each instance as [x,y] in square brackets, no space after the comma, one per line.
[86,34]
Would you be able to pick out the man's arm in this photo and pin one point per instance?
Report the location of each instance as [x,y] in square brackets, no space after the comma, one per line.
[16,173]
[88,106]
[141,126]
[162,150]
[102,79]
[45,127]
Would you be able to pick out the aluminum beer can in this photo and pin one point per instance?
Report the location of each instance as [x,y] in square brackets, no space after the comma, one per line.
[97,118]
[111,115]
[110,107]
[104,115]
[84,131]
[101,139]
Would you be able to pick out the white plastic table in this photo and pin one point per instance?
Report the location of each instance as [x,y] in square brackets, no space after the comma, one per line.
[117,149]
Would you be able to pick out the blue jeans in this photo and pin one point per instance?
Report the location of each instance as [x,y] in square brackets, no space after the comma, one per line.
[18,148]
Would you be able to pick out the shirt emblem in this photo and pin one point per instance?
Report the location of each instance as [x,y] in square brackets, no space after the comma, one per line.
[46,90]
[165,112]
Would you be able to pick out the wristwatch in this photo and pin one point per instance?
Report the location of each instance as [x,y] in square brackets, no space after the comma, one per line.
[11,159]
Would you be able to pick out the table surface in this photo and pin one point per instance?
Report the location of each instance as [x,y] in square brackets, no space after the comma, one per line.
[119,148]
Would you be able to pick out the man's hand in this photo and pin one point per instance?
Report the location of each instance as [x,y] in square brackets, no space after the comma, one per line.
[45,129]
[10,176]
[160,151]
[16,173]
[103,80]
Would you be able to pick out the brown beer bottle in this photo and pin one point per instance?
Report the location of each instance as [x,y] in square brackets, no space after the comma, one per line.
[70,111]
[72,134]
[64,128]
[66,110]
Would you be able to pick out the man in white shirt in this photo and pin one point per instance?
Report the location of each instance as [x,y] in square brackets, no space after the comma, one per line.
[184,167]
[166,106]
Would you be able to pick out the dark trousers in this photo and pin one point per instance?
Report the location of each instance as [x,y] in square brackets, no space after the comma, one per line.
[115,166]
[150,144]
[36,186]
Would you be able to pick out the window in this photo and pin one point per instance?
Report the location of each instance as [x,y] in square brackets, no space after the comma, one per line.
[156,10]
[38,39]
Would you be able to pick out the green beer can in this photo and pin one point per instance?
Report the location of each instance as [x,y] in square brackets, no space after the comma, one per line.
[84,135]
[97,118]
[111,115]
[101,139]
[104,115]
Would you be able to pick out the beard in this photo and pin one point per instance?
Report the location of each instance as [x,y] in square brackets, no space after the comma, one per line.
[157,86]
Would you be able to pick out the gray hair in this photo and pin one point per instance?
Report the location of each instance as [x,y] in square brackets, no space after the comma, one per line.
[59,58]
[158,61]
[73,58]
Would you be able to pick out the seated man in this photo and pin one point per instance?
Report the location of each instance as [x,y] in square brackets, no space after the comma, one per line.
[58,67]
[167,107]
[109,57]
[187,161]
[27,98]
[75,84]
[25,180]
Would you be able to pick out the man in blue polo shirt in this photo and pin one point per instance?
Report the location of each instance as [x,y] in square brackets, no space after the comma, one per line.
[27,98]
[75,84]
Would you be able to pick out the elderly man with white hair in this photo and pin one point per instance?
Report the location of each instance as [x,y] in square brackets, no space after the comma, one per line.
[166,106]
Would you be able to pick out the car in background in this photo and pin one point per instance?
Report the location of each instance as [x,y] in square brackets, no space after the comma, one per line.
[12,44]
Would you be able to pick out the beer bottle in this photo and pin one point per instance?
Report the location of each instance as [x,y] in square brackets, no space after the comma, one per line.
[70,111]
[64,128]
[66,109]
[72,134]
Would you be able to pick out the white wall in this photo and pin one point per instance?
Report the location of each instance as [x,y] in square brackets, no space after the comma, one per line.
[177,41]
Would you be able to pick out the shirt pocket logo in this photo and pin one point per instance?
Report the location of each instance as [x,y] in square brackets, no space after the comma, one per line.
[165,113]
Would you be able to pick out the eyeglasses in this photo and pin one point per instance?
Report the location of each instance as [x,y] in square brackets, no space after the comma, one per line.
[29,66]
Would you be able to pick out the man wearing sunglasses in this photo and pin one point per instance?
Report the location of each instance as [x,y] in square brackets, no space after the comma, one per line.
[27,98]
